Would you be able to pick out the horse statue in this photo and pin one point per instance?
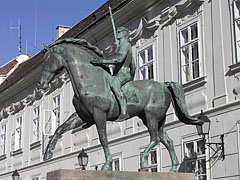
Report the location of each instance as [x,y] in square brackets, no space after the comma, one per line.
[95,103]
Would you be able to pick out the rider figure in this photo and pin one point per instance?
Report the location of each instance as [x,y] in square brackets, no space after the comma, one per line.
[124,70]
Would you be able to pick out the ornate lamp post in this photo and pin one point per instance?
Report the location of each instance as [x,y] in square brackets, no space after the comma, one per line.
[15,175]
[82,159]
[203,130]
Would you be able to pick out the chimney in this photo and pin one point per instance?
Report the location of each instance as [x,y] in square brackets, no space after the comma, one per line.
[60,30]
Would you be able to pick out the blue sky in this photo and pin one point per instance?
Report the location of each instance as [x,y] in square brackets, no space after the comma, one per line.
[50,13]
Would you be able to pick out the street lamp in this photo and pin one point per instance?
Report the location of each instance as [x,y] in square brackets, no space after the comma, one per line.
[205,127]
[82,159]
[203,130]
[15,175]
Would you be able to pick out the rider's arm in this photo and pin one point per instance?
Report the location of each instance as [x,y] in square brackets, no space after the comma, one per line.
[119,57]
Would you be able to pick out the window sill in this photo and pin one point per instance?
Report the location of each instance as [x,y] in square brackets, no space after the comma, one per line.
[196,83]
[35,145]
[235,68]
[2,157]
[17,152]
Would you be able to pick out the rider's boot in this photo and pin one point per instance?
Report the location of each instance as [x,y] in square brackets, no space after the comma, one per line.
[123,107]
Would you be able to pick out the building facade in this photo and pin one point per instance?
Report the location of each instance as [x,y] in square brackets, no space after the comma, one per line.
[193,42]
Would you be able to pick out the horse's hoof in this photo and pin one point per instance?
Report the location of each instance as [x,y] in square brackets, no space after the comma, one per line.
[144,164]
[173,169]
[106,167]
[47,155]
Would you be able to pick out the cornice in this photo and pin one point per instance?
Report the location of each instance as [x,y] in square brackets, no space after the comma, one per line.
[170,14]
[144,25]
[36,95]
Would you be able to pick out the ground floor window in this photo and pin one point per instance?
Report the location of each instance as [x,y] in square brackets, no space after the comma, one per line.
[195,159]
[153,161]
[117,163]
[115,166]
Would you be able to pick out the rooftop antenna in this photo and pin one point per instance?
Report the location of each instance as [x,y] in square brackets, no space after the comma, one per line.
[19,28]
[52,30]
[35,38]
[26,46]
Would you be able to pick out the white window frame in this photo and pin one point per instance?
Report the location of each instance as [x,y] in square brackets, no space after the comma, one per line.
[238,136]
[18,133]
[193,138]
[36,177]
[143,48]
[3,138]
[236,19]
[150,165]
[36,123]
[189,47]
[56,108]
[117,159]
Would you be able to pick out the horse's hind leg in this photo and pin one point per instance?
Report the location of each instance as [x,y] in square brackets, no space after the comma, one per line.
[168,143]
[72,122]
[152,124]
[100,121]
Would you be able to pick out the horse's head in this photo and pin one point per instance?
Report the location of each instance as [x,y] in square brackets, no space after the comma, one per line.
[51,66]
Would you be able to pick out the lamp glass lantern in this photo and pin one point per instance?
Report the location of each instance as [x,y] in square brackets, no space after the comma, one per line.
[83,159]
[205,127]
[15,175]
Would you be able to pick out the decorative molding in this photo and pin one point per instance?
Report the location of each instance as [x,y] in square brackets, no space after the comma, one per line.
[35,145]
[36,95]
[196,83]
[144,25]
[235,68]
[2,157]
[170,14]
[17,152]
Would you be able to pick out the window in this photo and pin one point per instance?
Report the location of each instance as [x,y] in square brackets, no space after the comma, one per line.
[195,159]
[36,115]
[237,30]
[36,178]
[56,109]
[3,140]
[189,53]
[145,63]
[16,136]
[115,166]
[153,161]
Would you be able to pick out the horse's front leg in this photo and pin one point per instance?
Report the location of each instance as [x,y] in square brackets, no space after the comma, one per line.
[72,122]
[100,120]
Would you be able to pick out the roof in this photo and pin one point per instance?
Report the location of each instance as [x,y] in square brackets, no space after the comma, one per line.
[31,64]
[4,69]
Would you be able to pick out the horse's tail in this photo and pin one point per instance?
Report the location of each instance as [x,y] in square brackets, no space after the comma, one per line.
[179,104]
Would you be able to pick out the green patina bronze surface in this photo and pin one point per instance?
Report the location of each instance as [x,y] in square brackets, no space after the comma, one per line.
[124,69]
[95,102]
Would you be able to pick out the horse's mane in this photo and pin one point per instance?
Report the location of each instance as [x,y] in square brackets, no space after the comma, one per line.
[91,49]
[82,42]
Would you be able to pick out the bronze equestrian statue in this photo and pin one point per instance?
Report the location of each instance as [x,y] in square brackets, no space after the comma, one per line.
[95,103]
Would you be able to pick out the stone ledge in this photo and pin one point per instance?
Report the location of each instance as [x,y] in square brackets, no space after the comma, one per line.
[65,174]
